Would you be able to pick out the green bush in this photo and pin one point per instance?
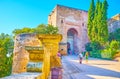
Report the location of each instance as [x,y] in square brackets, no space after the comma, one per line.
[94,49]
[88,47]
[106,53]
[110,51]
[114,46]
[95,53]
[6,67]
[95,46]
[6,48]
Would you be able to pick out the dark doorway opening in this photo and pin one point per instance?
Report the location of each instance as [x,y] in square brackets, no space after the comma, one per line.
[71,41]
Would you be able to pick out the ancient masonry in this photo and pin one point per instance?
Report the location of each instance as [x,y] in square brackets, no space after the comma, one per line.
[35,53]
[114,23]
[72,24]
[21,56]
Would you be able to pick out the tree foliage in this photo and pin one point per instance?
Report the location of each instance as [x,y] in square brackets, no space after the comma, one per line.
[98,31]
[95,22]
[95,46]
[90,18]
[23,30]
[40,29]
[51,30]
[6,50]
[46,29]
[104,27]
[88,47]
[114,45]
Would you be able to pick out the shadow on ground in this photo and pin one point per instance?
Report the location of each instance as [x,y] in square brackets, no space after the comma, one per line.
[73,70]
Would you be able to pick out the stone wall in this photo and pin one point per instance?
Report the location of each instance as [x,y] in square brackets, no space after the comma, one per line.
[52,17]
[36,48]
[21,56]
[114,23]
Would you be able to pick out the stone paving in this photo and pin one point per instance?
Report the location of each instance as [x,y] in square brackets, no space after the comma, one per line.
[94,69]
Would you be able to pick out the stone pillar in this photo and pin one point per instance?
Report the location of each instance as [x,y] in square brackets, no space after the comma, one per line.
[51,45]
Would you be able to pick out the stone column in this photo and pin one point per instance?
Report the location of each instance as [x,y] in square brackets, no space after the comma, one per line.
[51,45]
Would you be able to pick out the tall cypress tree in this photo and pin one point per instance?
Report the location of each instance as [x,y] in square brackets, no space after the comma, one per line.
[95,22]
[99,22]
[104,26]
[90,18]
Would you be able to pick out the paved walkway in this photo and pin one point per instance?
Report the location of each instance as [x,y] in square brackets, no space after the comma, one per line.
[94,69]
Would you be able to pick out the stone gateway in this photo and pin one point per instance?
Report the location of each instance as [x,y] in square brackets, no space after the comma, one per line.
[72,24]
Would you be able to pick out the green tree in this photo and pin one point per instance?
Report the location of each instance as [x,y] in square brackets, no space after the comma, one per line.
[104,26]
[95,22]
[90,18]
[98,31]
[95,46]
[6,50]
[40,29]
[51,30]
[23,30]
[99,22]
[88,47]
[46,29]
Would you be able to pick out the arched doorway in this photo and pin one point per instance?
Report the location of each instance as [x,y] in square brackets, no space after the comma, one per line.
[72,41]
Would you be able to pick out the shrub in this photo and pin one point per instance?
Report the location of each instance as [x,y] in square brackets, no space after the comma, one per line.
[95,46]
[106,53]
[6,49]
[88,47]
[110,51]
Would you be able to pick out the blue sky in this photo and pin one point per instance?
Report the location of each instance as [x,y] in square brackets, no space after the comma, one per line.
[16,14]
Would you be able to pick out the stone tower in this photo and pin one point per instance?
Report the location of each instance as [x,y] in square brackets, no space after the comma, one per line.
[72,24]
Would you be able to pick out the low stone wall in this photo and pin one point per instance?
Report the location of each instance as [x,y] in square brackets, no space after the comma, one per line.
[26,75]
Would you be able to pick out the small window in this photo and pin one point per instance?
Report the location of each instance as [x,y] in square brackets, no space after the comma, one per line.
[61,21]
[82,24]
